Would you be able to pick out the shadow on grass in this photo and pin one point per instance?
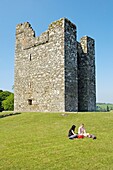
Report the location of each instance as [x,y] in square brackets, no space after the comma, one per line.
[9,114]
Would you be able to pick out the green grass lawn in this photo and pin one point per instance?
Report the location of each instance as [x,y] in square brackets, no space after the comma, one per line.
[38,141]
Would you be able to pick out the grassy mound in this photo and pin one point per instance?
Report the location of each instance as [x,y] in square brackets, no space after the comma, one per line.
[38,141]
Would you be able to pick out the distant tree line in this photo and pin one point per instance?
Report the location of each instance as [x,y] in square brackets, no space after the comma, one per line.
[6,100]
[104,107]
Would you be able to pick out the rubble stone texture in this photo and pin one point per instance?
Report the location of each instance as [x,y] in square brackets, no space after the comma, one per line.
[54,72]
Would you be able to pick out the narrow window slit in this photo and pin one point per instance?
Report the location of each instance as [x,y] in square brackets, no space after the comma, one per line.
[29,84]
[30,57]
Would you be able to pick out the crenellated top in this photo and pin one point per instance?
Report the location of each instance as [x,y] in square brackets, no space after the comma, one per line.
[25,28]
[87,43]
[55,24]
[25,35]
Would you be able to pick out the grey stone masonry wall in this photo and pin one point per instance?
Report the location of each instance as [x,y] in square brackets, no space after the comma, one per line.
[49,74]
[39,69]
[71,79]
[86,75]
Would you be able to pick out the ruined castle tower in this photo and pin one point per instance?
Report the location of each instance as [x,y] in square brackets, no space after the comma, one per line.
[54,72]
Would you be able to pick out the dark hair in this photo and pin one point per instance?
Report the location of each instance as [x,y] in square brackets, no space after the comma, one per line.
[73,127]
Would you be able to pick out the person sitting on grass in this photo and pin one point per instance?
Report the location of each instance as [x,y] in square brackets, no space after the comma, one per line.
[82,132]
[71,133]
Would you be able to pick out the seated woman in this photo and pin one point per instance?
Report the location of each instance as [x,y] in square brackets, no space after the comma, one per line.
[71,133]
[82,132]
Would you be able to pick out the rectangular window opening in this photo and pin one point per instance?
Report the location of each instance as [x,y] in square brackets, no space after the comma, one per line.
[30,101]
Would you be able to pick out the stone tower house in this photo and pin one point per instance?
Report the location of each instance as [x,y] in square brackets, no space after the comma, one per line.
[54,72]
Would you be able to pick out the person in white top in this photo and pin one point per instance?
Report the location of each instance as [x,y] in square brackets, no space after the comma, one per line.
[82,131]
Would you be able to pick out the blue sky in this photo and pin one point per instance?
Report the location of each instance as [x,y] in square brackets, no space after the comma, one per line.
[92,17]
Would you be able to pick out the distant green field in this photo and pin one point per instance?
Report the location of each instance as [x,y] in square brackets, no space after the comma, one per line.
[38,141]
[104,106]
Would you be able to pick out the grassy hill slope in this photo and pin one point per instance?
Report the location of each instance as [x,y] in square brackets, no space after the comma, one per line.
[38,141]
